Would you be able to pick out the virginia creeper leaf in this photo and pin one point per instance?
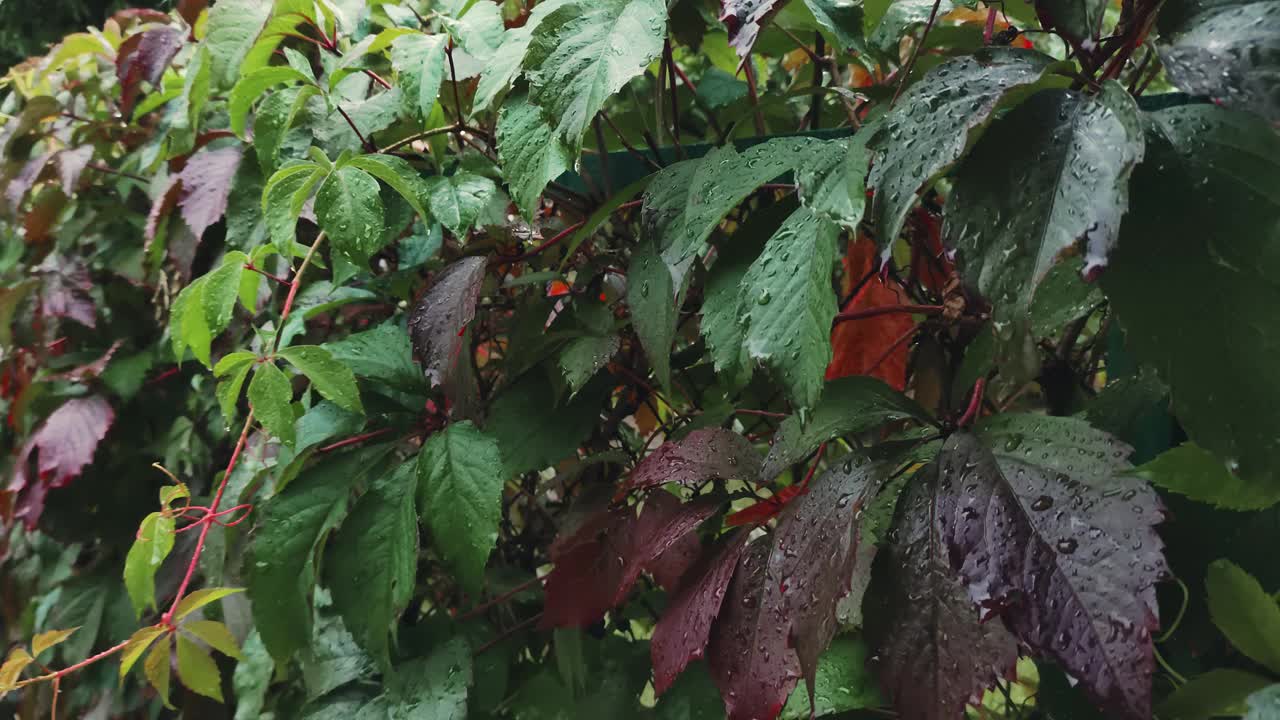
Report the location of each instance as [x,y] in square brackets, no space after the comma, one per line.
[283,197]
[832,182]
[419,61]
[1229,51]
[198,599]
[457,200]
[149,549]
[1196,473]
[144,57]
[383,354]
[532,154]
[197,670]
[283,551]
[1219,692]
[652,300]
[702,455]
[935,120]
[157,668]
[441,316]
[400,176]
[1244,612]
[329,376]
[271,397]
[843,683]
[349,209]
[138,644]
[583,356]
[1203,214]
[1048,532]
[372,560]
[532,431]
[273,120]
[460,478]
[215,635]
[233,27]
[250,87]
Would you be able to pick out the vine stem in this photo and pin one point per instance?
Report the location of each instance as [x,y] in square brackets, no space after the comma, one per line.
[59,674]
[887,310]
[293,289]
[975,403]
[500,598]
[915,53]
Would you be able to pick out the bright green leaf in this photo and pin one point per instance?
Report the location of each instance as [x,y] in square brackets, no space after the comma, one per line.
[331,378]
[419,61]
[215,635]
[271,397]
[456,200]
[150,548]
[460,477]
[138,644]
[197,670]
[1244,612]
[250,87]
[350,211]
[233,27]
[198,599]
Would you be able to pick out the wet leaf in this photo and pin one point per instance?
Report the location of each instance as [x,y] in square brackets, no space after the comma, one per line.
[700,456]
[1244,612]
[1229,51]
[441,316]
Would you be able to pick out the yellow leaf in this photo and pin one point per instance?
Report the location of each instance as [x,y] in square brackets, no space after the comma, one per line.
[197,670]
[13,666]
[46,640]
[138,644]
[200,598]
[156,668]
[215,635]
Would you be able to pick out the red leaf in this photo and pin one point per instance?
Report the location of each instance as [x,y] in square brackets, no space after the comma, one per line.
[682,634]
[710,453]
[749,654]
[64,290]
[206,184]
[859,347]
[929,261]
[71,163]
[144,57]
[21,183]
[765,510]
[64,444]
[597,565]
[668,568]
[935,654]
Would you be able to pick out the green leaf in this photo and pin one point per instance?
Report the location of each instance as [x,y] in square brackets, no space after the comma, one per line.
[1191,471]
[1264,704]
[221,288]
[149,549]
[400,176]
[456,200]
[479,30]
[586,50]
[841,18]
[1226,49]
[275,116]
[1062,296]
[582,357]
[899,17]
[503,67]
[349,209]
[849,406]
[198,599]
[286,16]
[1053,174]
[188,326]
[156,668]
[233,27]
[197,670]
[250,87]
[382,354]
[1244,612]
[843,682]
[935,120]
[283,550]
[228,390]
[833,181]
[282,199]
[138,644]
[371,563]
[215,635]
[790,304]
[1218,692]
[1200,206]
[252,677]
[330,377]
[271,396]
[532,431]
[651,296]
[460,477]
[434,688]
[419,61]
[531,153]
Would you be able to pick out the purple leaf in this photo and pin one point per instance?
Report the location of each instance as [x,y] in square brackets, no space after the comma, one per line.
[707,454]
[744,19]
[64,444]
[682,633]
[71,163]
[749,655]
[144,57]
[1049,531]
[161,206]
[812,559]
[26,177]
[668,568]
[935,654]
[441,317]
[597,565]
[64,290]
[206,184]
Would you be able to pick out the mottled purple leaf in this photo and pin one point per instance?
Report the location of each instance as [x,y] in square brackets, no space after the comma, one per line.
[596,567]
[682,633]
[206,184]
[935,655]
[707,454]
[749,654]
[1049,531]
[812,558]
[144,57]
[64,444]
[744,18]
[21,183]
[161,206]
[440,318]
[64,290]
[71,163]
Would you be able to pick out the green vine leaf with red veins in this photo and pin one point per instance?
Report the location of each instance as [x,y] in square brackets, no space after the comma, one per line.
[598,564]
[702,455]
[934,653]
[1050,533]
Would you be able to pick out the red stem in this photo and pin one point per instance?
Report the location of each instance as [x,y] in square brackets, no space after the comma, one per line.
[887,310]
[761,413]
[499,599]
[559,236]
[353,440]
[265,274]
[817,460]
[975,403]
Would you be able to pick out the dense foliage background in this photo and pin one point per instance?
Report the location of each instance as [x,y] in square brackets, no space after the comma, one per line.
[612,358]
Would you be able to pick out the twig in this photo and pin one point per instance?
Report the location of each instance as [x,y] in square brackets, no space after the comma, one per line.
[422,136]
[354,439]
[756,114]
[507,633]
[498,600]
[627,144]
[887,310]
[915,53]
[113,171]
[265,274]
[368,146]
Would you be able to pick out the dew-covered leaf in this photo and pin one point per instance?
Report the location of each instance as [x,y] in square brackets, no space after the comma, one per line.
[935,120]
[144,57]
[1050,533]
[329,376]
[419,61]
[440,318]
[457,200]
[350,210]
[700,456]
[1246,613]
[233,28]
[1198,474]
[534,431]
[271,397]
[531,152]
[744,19]
[1228,50]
